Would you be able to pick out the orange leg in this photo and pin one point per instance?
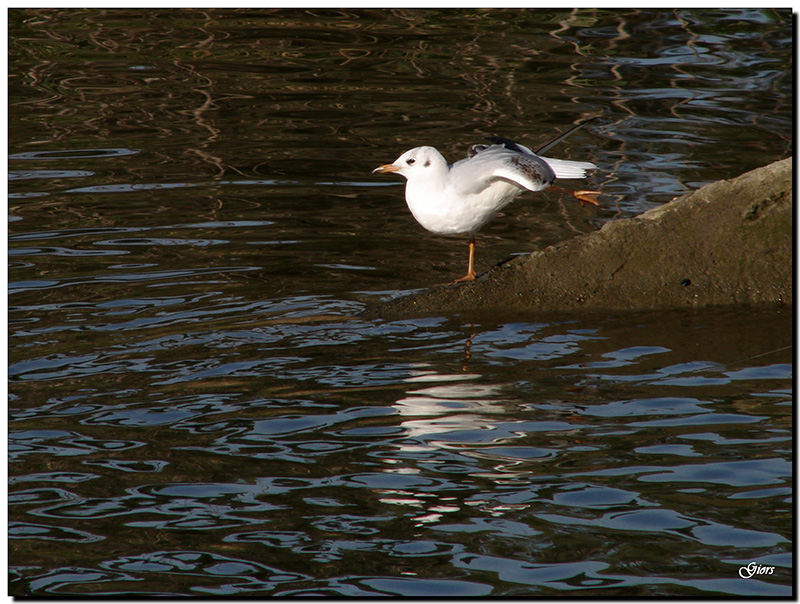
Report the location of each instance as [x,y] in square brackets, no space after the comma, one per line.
[470,276]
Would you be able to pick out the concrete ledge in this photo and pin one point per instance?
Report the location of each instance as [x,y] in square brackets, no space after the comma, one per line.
[729,242]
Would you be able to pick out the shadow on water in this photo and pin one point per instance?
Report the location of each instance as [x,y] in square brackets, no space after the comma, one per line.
[195,405]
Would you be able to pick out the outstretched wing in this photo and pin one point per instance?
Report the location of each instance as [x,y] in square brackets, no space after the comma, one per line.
[488,163]
[562,168]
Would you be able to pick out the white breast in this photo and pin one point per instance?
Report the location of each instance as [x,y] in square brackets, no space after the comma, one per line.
[445,211]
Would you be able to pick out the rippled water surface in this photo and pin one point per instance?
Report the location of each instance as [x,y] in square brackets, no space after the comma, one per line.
[196,406]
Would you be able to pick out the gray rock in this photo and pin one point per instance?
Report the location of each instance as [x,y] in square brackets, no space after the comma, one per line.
[728,243]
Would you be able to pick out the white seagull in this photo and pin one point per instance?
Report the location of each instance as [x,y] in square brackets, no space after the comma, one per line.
[460,199]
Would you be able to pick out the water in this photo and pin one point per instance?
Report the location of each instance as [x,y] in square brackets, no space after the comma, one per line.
[195,405]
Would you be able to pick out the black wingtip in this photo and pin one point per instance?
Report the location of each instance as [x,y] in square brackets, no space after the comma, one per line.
[515,146]
[506,142]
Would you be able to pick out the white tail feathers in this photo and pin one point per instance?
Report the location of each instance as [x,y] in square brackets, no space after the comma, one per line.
[565,168]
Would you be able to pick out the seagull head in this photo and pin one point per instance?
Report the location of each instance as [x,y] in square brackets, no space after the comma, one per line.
[415,162]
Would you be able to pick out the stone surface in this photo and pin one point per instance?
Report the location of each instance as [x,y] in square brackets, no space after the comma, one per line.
[729,242]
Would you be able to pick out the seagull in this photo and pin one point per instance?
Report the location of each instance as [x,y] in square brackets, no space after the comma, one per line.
[461,198]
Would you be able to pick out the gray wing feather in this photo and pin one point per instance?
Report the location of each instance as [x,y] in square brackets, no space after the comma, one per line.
[528,171]
[486,164]
[561,168]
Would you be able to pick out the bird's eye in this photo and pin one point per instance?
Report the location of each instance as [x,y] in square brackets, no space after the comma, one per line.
[411,161]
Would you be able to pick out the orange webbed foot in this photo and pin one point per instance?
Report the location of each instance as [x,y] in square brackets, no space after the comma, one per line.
[585,197]
[466,278]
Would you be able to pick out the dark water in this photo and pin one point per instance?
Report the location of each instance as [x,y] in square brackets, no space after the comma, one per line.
[195,407]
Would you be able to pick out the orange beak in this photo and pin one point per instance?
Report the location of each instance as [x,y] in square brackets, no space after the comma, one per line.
[386,168]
